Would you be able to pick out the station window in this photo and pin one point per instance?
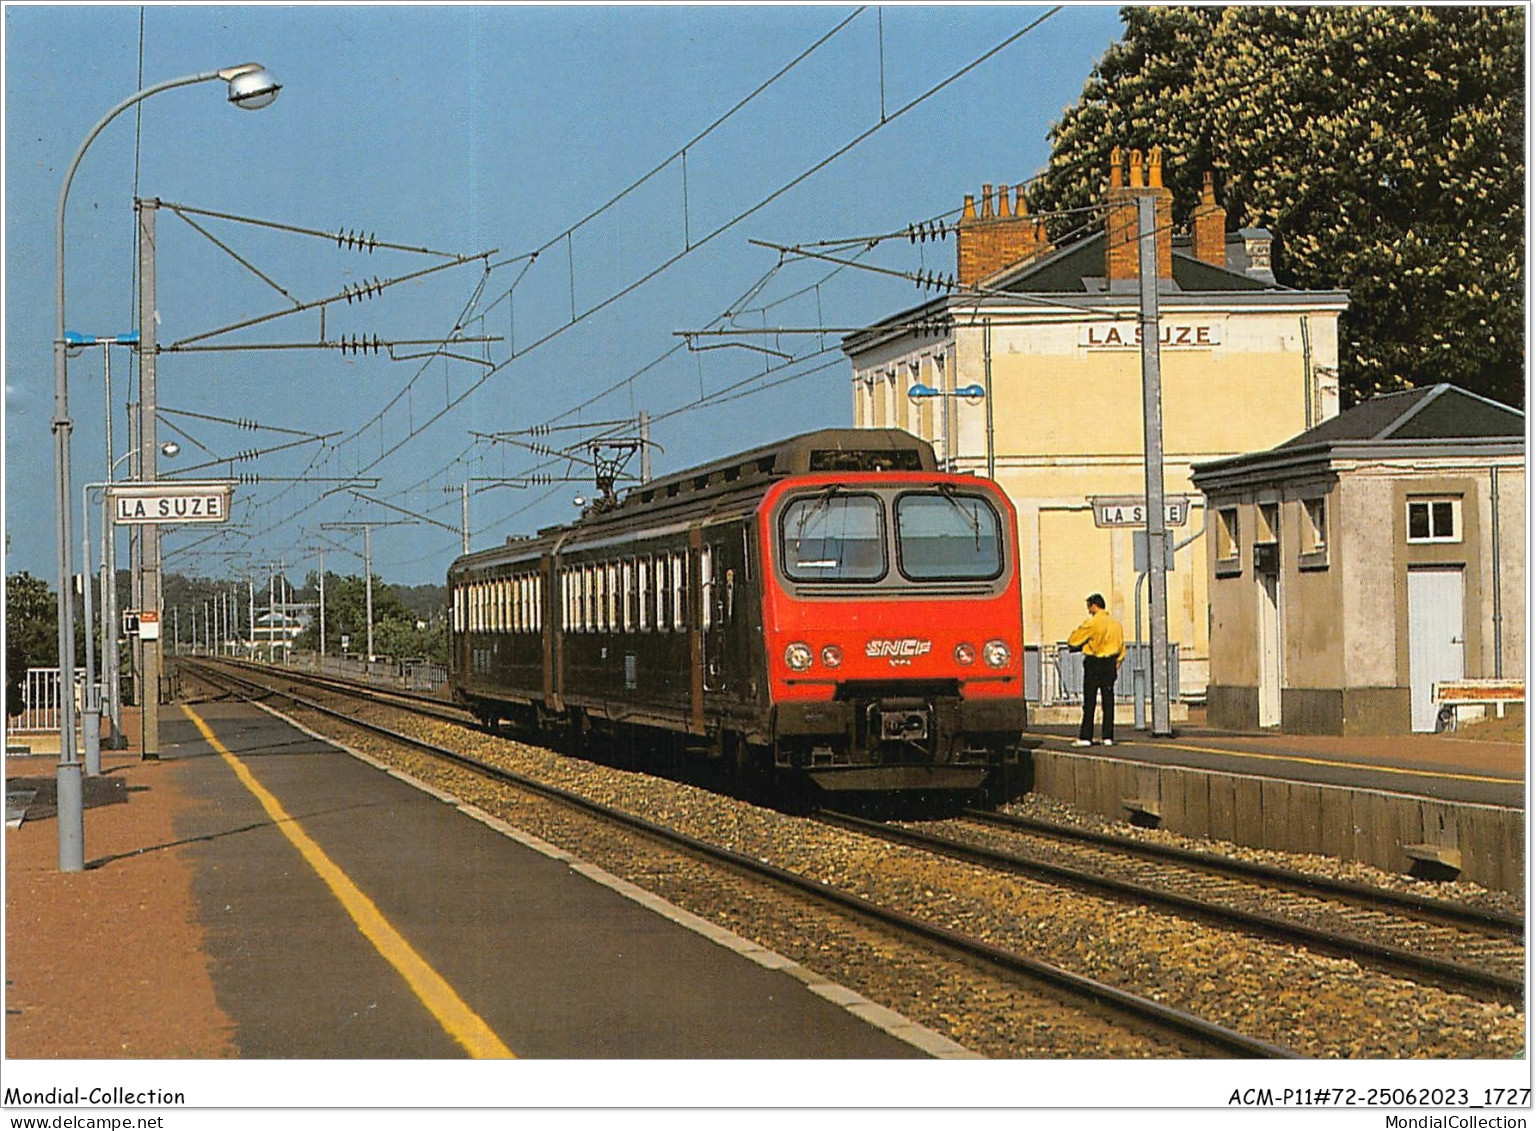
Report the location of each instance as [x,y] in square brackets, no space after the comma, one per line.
[1228,535]
[1314,526]
[1434,520]
[1268,523]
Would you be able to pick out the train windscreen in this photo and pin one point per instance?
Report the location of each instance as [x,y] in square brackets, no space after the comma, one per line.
[834,537]
[948,537]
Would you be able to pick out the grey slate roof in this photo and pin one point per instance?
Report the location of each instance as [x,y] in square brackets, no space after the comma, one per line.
[1435,412]
[1079,268]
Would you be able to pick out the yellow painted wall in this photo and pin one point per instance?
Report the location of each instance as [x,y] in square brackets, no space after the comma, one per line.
[1067,425]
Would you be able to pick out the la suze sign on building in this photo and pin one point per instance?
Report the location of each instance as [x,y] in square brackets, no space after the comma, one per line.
[1127,335]
[167,501]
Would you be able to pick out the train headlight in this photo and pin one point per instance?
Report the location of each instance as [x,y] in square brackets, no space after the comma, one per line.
[965,653]
[996,654]
[832,656]
[798,656]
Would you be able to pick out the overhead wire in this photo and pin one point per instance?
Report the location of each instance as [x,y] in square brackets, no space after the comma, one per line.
[454,401]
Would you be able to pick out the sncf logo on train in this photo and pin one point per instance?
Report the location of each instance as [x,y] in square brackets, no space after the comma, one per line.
[905,648]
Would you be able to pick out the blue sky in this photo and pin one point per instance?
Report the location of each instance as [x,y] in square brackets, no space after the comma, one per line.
[471,130]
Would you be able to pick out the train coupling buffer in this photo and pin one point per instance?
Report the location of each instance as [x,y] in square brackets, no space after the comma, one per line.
[899,721]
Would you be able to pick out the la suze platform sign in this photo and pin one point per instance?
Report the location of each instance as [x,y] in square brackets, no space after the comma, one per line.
[166,502]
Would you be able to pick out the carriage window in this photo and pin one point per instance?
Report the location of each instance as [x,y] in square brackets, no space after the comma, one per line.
[948,536]
[707,583]
[833,537]
[644,572]
[627,571]
[679,592]
[662,623]
[600,593]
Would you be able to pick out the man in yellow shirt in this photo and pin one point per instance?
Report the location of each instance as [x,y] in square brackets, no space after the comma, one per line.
[1101,640]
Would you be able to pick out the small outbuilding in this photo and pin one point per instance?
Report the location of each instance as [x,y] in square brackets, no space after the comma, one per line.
[1358,564]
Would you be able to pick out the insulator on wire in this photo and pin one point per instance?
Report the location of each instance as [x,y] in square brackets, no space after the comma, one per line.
[354,240]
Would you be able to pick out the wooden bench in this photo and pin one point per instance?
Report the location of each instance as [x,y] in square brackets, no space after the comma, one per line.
[1451,695]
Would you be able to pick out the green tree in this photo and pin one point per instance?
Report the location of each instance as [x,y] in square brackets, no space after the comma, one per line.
[1383,147]
[395,626]
[31,633]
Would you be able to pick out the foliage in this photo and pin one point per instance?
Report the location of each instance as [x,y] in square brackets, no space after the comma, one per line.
[31,633]
[395,631]
[1382,146]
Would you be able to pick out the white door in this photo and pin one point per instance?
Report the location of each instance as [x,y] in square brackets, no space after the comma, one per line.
[1269,650]
[1436,631]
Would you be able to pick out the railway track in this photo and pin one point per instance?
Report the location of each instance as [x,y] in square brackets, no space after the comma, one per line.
[1191,1031]
[1421,938]
[944,900]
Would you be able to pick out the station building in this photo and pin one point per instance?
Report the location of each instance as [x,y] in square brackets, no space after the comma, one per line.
[1035,357]
[1359,563]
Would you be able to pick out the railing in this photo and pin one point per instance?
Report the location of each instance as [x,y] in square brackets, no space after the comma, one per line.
[43,709]
[1060,679]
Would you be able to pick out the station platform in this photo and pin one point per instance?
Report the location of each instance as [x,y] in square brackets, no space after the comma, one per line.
[307,904]
[1448,767]
[1442,807]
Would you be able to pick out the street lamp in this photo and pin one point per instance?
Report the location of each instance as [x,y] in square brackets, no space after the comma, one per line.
[972,394]
[115,738]
[251,87]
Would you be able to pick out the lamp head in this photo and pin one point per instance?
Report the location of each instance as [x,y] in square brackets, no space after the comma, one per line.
[170,449]
[251,86]
[921,392]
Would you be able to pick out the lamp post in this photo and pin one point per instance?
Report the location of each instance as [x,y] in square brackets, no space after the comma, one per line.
[115,739]
[251,87]
[974,394]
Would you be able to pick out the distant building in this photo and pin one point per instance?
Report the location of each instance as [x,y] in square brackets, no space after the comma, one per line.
[1046,341]
[1353,566]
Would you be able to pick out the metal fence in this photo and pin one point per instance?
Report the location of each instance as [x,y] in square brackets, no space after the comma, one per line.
[1061,678]
[43,710]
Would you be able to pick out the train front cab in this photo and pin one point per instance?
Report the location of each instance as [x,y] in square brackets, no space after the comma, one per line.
[893,628]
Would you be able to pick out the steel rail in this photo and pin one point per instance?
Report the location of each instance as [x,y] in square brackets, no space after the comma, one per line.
[1273,926]
[1456,913]
[1103,994]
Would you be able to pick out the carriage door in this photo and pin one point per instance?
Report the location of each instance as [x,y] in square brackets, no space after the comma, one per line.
[1436,638]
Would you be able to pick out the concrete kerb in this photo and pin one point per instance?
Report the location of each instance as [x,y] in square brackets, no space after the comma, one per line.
[1383,829]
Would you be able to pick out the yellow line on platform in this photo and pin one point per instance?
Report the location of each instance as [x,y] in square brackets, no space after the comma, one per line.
[460,1022]
[1303,760]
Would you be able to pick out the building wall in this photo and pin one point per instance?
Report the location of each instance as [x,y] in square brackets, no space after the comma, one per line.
[1346,634]
[1063,423]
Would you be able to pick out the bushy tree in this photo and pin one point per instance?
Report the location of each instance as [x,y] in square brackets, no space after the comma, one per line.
[1382,146]
[31,633]
[395,631]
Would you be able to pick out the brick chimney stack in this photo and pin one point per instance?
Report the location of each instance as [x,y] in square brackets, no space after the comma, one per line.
[1121,257]
[1209,221]
[992,239]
